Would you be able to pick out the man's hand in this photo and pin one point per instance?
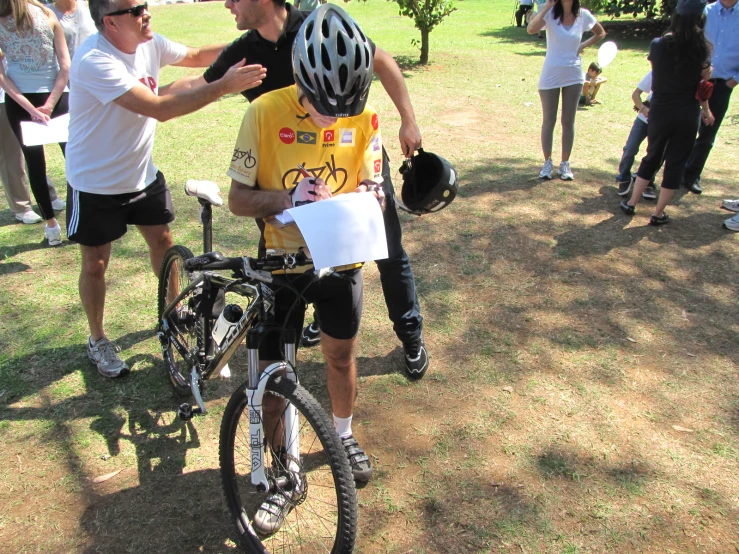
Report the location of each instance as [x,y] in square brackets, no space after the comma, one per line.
[310,190]
[240,77]
[370,186]
[410,138]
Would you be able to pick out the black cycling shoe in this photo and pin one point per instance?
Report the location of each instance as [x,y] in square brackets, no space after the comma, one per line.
[626,208]
[311,335]
[416,359]
[358,460]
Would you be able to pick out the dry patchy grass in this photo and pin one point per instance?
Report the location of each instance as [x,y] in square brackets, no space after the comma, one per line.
[582,396]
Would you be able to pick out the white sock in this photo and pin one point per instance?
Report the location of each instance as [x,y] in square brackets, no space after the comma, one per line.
[343,426]
[54,227]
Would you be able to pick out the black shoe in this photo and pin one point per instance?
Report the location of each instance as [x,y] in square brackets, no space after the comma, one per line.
[654,220]
[358,460]
[650,193]
[625,208]
[624,187]
[695,188]
[416,359]
[311,335]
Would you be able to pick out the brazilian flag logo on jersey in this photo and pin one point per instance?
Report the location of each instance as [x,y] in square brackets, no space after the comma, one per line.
[304,137]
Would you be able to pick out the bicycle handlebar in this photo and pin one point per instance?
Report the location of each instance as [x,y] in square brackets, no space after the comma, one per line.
[273,262]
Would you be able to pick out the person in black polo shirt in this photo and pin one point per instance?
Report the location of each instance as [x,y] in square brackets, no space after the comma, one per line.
[271,27]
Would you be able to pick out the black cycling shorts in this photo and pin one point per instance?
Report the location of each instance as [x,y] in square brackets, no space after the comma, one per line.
[97,219]
[337,298]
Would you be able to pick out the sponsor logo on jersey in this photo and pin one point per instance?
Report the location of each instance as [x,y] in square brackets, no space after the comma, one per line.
[249,160]
[329,135]
[378,166]
[304,137]
[287,135]
[375,144]
[375,122]
[346,137]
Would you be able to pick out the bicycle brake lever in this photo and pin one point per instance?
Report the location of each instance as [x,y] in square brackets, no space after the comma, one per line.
[255,274]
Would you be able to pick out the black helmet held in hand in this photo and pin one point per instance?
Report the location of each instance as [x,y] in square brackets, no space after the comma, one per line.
[333,62]
[430,183]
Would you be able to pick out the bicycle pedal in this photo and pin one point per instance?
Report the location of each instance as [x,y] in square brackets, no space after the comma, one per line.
[185,411]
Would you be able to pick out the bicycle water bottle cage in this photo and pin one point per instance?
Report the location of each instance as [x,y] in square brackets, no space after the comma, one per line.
[203,259]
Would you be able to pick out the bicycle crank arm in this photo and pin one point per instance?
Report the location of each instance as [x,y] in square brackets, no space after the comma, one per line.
[195,389]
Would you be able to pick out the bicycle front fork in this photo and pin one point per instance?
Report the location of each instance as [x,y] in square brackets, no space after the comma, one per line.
[255,395]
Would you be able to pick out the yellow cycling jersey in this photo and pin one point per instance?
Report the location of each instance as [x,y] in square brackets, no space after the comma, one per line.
[277,134]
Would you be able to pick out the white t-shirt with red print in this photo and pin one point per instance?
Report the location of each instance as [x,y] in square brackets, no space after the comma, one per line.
[562,64]
[109,147]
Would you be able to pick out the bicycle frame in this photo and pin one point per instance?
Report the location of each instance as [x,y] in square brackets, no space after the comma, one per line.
[256,383]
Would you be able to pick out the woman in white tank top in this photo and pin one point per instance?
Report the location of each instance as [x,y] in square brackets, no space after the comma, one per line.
[32,41]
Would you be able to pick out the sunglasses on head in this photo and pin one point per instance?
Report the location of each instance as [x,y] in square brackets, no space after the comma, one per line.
[136,11]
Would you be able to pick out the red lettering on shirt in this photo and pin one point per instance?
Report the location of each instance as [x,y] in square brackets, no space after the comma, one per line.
[149,82]
[287,135]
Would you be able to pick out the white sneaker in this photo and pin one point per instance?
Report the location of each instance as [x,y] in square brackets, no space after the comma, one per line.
[546,171]
[54,236]
[104,354]
[29,218]
[730,205]
[58,204]
[565,173]
[732,224]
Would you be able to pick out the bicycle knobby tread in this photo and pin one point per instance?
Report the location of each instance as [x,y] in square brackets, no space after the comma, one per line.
[311,409]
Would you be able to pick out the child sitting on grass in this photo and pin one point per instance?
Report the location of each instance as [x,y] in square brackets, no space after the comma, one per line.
[591,85]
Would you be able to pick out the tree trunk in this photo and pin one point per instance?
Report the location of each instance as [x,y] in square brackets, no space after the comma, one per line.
[424,47]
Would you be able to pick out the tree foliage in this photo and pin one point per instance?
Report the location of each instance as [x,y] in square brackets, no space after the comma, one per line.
[426,15]
[650,9]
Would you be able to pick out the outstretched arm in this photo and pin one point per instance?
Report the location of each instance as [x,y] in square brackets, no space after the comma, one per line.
[392,81]
[201,57]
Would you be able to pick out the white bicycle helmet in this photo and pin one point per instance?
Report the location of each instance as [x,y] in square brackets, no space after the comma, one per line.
[332,62]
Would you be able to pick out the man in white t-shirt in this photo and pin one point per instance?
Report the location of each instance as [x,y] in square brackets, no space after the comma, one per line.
[114,106]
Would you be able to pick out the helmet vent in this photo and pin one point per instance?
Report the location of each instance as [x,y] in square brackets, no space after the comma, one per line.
[357,57]
[325,58]
[311,57]
[343,76]
[340,45]
[349,30]
[309,30]
[328,88]
[324,28]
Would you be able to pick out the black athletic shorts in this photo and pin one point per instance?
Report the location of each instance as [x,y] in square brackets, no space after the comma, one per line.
[97,219]
[337,298]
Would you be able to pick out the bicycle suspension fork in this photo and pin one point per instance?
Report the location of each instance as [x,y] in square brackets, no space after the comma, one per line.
[255,394]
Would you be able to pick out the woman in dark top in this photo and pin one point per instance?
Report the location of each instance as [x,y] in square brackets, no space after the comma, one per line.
[680,60]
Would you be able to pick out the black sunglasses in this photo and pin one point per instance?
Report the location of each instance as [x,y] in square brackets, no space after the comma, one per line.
[136,11]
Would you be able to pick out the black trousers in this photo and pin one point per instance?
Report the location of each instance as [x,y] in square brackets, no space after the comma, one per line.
[35,158]
[671,135]
[522,10]
[719,104]
[396,275]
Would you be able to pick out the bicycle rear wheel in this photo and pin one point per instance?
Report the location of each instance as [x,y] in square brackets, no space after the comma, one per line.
[183,323]
[324,517]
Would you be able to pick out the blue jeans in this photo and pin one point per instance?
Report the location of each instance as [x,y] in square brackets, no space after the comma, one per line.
[631,149]
[396,275]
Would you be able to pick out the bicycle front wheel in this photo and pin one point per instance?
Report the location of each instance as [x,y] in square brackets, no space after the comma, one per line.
[323,516]
[183,323]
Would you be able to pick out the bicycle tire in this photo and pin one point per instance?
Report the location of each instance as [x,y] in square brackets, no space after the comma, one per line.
[179,372]
[331,495]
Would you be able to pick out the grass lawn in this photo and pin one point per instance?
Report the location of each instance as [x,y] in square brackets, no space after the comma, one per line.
[583,391]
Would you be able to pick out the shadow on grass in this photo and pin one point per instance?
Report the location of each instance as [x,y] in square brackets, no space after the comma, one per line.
[8,268]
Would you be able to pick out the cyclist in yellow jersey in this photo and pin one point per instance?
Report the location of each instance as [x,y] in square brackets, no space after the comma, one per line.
[323,124]
[341,155]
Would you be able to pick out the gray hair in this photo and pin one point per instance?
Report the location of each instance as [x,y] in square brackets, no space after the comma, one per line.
[101,8]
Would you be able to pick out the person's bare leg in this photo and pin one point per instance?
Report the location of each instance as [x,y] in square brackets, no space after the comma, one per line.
[92,286]
[665,195]
[341,373]
[639,186]
[159,240]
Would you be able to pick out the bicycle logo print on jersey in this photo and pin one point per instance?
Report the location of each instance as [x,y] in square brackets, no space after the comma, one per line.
[249,160]
[335,179]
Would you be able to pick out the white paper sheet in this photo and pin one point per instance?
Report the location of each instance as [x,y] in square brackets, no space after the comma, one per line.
[57,130]
[345,229]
